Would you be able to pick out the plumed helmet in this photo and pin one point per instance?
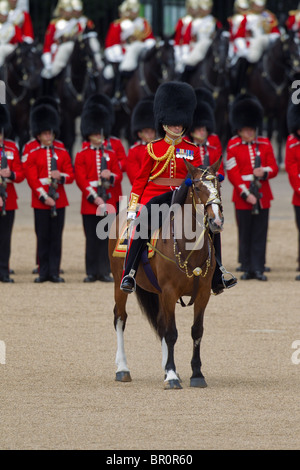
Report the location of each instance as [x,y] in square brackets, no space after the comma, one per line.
[246,111]
[260,3]
[95,119]
[5,123]
[44,117]
[244,4]
[205,4]
[293,118]
[4,7]
[174,104]
[104,100]
[142,116]
[204,117]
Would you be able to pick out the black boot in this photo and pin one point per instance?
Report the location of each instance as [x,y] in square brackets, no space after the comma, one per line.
[222,279]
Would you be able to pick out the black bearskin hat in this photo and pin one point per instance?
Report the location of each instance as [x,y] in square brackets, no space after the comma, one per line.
[174,104]
[95,119]
[44,117]
[5,123]
[104,100]
[203,94]
[142,116]
[203,117]
[293,119]
[246,111]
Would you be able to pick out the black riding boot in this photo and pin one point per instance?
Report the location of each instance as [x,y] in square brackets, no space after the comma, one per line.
[48,86]
[242,75]
[219,282]
[132,261]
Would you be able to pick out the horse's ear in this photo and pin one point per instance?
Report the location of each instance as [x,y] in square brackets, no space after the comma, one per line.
[215,166]
[190,168]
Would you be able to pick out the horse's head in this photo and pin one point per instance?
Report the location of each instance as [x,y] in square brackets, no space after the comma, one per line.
[206,190]
[24,65]
[290,46]
[219,51]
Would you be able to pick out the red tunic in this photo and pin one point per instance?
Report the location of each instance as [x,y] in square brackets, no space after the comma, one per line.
[292,166]
[135,159]
[14,164]
[240,164]
[214,149]
[87,171]
[143,188]
[37,168]
[114,35]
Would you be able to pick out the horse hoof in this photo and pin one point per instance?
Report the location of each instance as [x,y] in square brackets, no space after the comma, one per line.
[198,382]
[172,385]
[123,376]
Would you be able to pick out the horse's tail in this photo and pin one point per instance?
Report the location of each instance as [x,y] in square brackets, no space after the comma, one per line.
[149,304]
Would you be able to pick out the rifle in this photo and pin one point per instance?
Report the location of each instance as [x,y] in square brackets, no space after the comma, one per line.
[54,183]
[206,155]
[256,184]
[3,184]
[104,183]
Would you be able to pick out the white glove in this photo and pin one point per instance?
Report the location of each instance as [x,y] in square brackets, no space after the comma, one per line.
[131,215]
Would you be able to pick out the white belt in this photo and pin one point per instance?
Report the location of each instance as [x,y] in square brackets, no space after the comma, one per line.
[247,177]
[45,180]
[94,184]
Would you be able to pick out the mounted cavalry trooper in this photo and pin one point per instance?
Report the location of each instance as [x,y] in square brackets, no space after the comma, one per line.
[293,21]
[47,166]
[256,34]
[126,39]
[10,34]
[88,27]
[11,172]
[181,49]
[59,39]
[96,171]
[292,165]
[143,132]
[250,165]
[22,19]
[237,31]
[163,168]
[199,34]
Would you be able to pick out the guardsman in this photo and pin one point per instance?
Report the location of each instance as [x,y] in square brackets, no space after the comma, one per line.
[110,142]
[96,171]
[199,33]
[48,167]
[250,165]
[181,49]
[22,19]
[10,34]
[59,39]
[143,132]
[127,37]
[11,172]
[237,30]
[292,165]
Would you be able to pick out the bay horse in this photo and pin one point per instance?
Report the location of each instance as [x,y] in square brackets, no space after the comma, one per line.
[155,66]
[21,75]
[270,80]
[180,268]
[213,73]
[77,81]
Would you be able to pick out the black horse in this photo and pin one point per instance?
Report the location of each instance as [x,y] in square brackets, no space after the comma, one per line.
[21,75]
[213,73]
[77,81]
[155,66]
[270,80]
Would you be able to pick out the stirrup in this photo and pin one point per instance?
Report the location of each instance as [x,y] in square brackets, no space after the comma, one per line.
[231,281]
[130,284]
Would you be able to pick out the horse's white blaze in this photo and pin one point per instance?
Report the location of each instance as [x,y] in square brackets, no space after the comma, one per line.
[217,220]
[164,350]
[121,360]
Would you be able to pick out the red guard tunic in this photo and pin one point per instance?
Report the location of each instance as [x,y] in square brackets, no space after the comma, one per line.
[292,165]
[135,159]
[117,31]
[171,166]
[87,174]
[37,168]
[240,164]
[14,164]
[293,21]
[23,20]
